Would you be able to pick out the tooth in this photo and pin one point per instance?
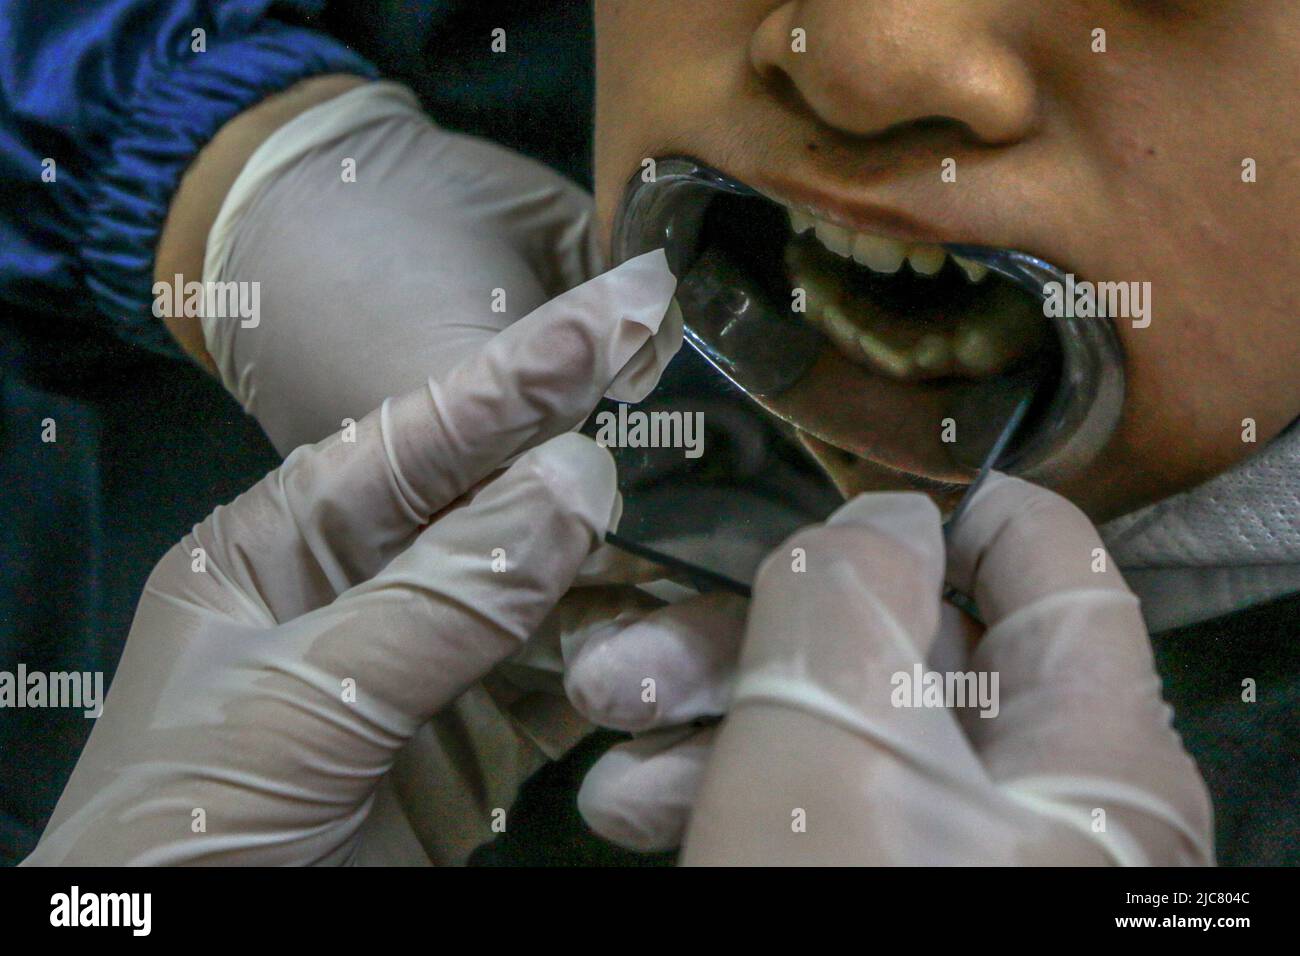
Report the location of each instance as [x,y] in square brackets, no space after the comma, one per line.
[933,354]
[819,294]
[835,238]
[886,358]
[926,260]
[842,332]
[975,271]
[977,352]
[800,222]
[820,290]
[878,253]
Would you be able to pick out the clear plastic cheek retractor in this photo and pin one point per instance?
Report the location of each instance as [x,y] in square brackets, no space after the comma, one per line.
[790,424]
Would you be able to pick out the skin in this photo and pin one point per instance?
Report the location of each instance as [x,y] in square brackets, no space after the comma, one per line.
[1116,166]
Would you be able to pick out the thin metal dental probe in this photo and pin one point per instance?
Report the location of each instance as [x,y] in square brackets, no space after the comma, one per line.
[712,580]
[999,448]
[706,580]
[962,601]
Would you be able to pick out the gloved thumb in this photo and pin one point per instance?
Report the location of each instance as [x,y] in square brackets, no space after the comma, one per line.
[843,606]
[469,590]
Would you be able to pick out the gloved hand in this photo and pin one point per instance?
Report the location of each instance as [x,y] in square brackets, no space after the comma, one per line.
[387,251]
[285,650]
[818,762]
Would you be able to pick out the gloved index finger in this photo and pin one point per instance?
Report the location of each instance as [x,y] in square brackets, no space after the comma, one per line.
[1081,733]
[824,722]
[1017,543]
[845,609]
[337,512]
[536,379]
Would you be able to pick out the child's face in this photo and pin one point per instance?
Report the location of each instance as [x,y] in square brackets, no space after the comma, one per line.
[1123,165]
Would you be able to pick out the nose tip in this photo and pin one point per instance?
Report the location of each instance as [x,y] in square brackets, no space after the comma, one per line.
[866,67]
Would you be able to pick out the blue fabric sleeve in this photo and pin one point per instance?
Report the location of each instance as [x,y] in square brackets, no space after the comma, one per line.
[114,93]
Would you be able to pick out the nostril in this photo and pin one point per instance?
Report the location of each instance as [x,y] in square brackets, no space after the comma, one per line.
[866,70]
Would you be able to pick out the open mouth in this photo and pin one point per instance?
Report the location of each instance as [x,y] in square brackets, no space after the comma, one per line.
[871,344]
[911,311]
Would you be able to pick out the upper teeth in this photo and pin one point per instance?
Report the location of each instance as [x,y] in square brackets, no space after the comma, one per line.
[880,253]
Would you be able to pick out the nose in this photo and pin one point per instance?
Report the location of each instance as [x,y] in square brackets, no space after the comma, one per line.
[871,65]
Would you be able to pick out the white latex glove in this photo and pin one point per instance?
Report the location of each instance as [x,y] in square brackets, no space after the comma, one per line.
[818,764]
[384,248]
[813,733]
[261,696]
[388,250]
[639,794]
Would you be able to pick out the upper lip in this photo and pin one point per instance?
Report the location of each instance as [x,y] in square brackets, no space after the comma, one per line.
[849,208]
[973,231]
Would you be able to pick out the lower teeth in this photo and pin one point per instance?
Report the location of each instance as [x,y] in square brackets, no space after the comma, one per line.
[999,327]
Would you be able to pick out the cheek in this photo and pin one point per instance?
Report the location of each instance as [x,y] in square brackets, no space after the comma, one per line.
[1202,394]
[1218,359]
[669,78]
[1222,348]
[605,206]
[616,139]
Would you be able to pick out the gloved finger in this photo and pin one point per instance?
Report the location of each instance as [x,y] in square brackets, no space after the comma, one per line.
[831,632]
[787,787]
[1082,726]
[635,668]
[662,668]
[539,666]
[840,600]
[336,512]
[529,685]
[842,616]
[445,610]
[639,794]
[1019,543]
[603,591]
